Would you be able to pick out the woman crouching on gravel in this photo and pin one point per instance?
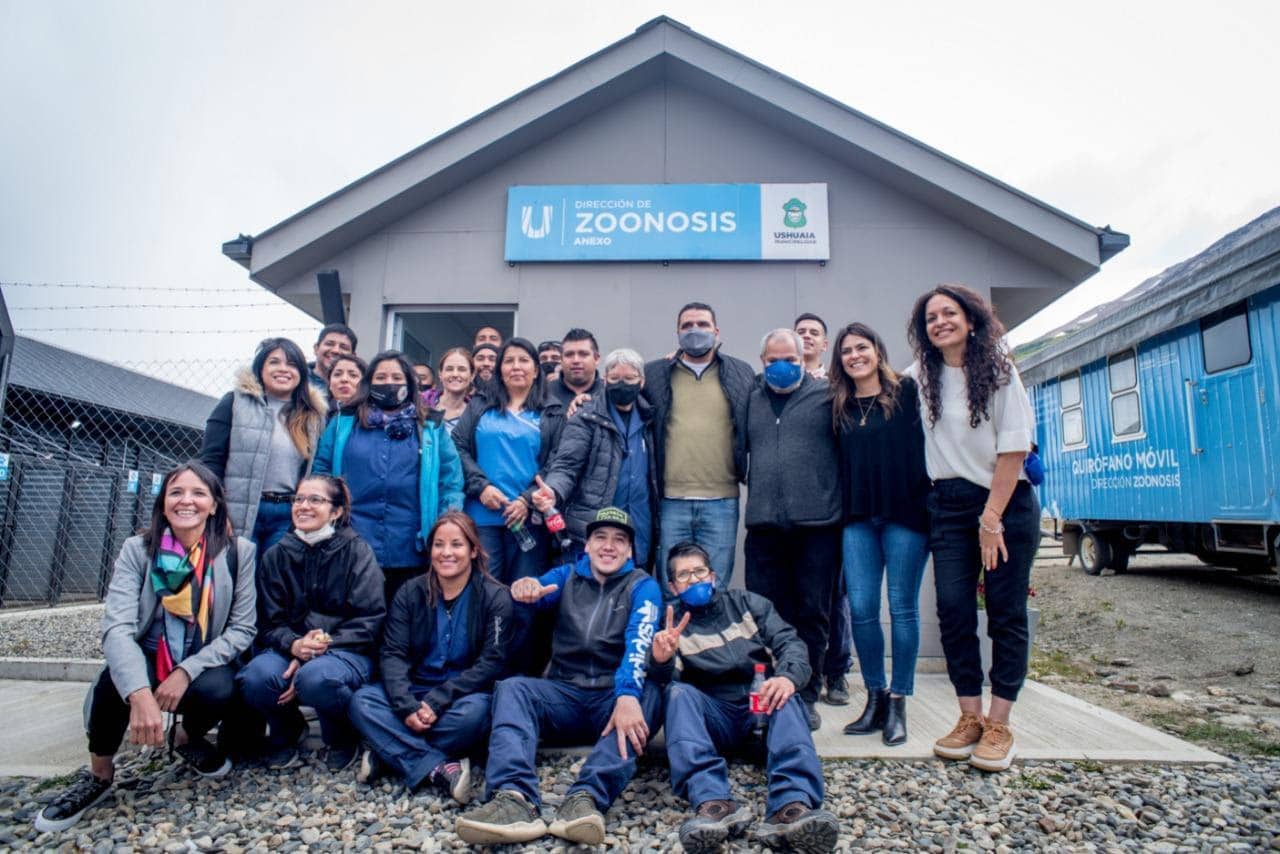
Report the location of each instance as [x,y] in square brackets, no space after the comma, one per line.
[320,609]
[178,612]
[983,513]
[444,645]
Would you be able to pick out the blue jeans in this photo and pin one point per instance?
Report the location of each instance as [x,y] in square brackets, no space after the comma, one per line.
[271,524]
[874,549]
[325,683]
[506,561]
[455,733]
[700,728]
[711,523]
[526,709]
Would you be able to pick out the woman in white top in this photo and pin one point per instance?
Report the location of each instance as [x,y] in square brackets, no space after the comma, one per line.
[984,516]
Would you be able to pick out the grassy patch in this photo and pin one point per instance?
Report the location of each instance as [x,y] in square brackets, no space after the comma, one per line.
[1225,739]
[1089,766]
[54,782]
[1030,781]
[1107,605]
[1058,663]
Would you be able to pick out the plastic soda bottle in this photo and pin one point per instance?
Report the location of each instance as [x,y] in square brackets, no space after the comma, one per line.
[524,539]
[757,702]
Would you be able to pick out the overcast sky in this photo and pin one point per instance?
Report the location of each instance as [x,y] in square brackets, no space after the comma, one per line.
[136,137]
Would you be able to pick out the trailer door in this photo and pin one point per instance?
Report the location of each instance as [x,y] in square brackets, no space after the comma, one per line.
[1226,412]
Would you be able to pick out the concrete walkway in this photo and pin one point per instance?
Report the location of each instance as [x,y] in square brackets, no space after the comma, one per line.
[43,732]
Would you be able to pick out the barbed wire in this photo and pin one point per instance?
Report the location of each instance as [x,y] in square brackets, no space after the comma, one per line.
[280,304]
[149,288]
[268,330]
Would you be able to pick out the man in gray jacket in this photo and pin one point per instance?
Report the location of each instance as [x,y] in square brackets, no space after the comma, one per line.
[793,499]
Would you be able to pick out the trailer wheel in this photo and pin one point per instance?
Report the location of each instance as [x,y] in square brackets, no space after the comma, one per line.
[1095,552]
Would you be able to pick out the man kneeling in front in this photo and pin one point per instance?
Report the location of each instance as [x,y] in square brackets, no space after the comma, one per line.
[723,641]
[595,691]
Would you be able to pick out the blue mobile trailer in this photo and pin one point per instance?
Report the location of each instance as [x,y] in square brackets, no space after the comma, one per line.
[1158,415]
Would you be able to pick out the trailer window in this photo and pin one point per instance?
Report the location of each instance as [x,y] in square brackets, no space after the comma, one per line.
[1224,338]
[1072,410]
[1126,409]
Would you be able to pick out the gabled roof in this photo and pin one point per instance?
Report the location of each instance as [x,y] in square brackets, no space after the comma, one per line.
[664,49]
[1234,268]
[52,370]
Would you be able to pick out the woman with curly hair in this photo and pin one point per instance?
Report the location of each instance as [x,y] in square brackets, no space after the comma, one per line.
[984,515]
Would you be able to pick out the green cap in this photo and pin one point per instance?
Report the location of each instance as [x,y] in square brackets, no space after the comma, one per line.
[612,517]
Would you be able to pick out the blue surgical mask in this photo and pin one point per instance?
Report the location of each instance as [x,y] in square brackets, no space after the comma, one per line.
[783,376]
[698,595]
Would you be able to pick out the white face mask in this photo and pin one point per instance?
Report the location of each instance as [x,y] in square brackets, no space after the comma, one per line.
[317,536]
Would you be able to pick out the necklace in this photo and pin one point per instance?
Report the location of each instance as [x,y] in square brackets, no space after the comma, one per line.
[862,422]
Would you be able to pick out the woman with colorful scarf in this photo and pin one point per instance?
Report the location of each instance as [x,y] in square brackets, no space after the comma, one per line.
[320,612]
[399,463]
[179,611]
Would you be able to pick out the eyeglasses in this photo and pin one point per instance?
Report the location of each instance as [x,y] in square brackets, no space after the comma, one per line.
[697,573]
[313,500]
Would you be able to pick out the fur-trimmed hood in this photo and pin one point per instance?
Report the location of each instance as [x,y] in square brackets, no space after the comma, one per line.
[247,383]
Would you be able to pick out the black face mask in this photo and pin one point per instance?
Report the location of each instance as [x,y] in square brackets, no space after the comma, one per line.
[388,395]
[548,368]
[622,394]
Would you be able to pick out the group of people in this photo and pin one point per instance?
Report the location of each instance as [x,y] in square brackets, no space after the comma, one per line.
[524,545]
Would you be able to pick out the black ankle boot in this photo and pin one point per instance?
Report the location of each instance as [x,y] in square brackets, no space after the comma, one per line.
[872,719]
[895,722]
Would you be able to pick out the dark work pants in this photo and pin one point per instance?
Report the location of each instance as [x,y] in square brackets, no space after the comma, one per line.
[528,710]
[204,704]
[796,569]
[840,642]
[954,507]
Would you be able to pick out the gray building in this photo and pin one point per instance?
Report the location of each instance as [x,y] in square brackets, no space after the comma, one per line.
[418,244]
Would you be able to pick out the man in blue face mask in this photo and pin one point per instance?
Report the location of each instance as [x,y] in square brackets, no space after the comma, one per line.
[722,639]
[792,551]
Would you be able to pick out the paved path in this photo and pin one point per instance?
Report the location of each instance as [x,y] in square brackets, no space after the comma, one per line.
[43,734]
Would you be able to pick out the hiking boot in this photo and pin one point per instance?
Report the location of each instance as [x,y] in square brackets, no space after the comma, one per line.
[578,820]
[800,828]
[837,691]
[713,824]
[454,779]
[996,749]
[370,767]
[506,818]
[338,758]
[283,753]
[963,738]
[78,798]
[815,719]
[205,759]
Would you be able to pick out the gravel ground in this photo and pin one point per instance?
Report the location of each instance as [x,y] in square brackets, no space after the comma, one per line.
[928,806]
[52,633]
[1150,644]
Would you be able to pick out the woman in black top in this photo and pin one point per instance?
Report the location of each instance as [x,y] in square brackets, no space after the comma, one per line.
[877,422]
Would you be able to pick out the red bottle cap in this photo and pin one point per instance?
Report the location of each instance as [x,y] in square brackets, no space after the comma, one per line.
[759,668]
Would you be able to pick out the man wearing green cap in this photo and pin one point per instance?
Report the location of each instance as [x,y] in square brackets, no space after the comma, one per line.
[596,690]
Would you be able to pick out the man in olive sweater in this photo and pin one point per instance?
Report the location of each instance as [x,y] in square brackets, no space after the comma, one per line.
[713,653]
[792,550]
[699,400]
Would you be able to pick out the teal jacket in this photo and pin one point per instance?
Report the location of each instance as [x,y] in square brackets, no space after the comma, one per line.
[439,468]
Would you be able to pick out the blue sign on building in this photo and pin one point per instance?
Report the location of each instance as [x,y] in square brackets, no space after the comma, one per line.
[667,222]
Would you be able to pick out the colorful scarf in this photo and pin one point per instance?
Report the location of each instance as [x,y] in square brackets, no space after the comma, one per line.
[399,423]
[186,595]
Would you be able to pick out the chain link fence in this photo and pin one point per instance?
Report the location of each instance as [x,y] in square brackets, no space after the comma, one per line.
[83,446]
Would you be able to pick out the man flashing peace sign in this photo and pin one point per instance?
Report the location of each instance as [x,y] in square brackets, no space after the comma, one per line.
[707,660]
[596,691]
